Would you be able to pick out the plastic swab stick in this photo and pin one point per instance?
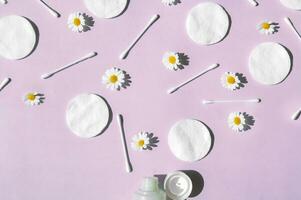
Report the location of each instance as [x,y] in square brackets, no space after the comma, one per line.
[86,57]
[3,1]
[50,9]
[289,22]
[211,67]
[253,2]
[4,83]
[296,115]
[124,54]
[128,165]
[232,101]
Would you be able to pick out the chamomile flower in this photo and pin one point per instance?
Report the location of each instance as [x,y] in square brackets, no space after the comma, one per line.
[33,98]
[76,22]
[169,2]
[171,60]
[140,141]
[237,121]
[114,78]
[267,27]
[230,81]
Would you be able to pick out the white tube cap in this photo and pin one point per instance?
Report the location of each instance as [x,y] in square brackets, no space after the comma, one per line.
[178,186]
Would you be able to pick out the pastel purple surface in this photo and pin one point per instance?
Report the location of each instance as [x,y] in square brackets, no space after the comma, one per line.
[41,159]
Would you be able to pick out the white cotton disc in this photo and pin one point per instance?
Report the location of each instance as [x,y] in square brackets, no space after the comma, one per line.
[207,23]
[292,4]
[269,63]
[189,140]
[87,115]
[17,37]
[106,8]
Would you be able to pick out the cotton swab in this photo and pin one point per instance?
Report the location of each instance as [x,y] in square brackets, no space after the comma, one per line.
[128,165]
[289,22]
[88,56]
[125,53]
[232,101]
[4,83]
[296,115]
[50,9]
[211,67]
[253,2]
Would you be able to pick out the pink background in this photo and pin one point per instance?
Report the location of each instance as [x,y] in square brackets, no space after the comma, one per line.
[41,159]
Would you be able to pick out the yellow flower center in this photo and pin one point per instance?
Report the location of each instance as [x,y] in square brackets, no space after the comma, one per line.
[140,143]
[31,96]
[172,59]
[231,80]
[113,79]
[237,120]
[76,21]
[265,25]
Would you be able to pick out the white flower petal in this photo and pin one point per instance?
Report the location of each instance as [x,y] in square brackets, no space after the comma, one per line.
[71,24]
[169,2]
[226,84]
[270,30]
[232,125]
[114,72]
[168,65]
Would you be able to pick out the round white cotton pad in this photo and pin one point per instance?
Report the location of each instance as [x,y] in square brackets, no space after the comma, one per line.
[207,23]
[292,4]
[269,63]
[87,115]
[17,37]
[189,140]
[106,8]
